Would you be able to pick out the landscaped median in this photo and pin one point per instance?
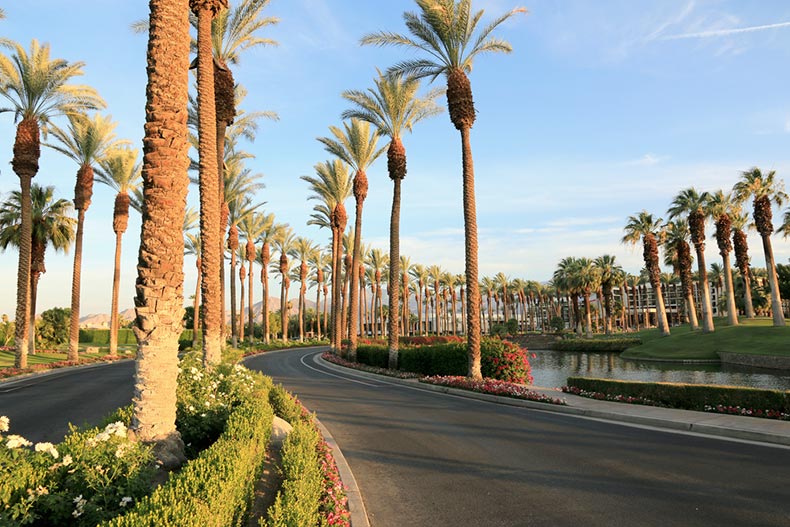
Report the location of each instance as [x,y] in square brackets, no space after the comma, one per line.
[99,476]
[772,404]
[505,366]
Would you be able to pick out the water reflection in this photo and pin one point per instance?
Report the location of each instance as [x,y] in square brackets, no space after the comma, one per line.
[552,368]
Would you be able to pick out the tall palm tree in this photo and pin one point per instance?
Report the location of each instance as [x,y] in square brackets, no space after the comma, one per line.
[38,89]
[445,30]
[284,243]
[270,231]
[420,274]
[192,247]
[720,207]
[393,108]
[332,187]
[692,204]
[303,249]
[487,286]
[120,171]
[253,226]
[356,146]
[610,274]
[763,188]
[52,225]
[210,184]
[646,228]
[678,254]
[404,267]
[319,261]
[435,273]
[159,302]
[86,141]
[740,222]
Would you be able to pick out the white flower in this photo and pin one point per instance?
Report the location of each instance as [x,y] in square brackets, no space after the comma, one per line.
[126,500]
[191,408]
[49,448]
[4,423]
[67,460]
[117,428]
[122,449]
[193,370]
[15,441]
[80,503]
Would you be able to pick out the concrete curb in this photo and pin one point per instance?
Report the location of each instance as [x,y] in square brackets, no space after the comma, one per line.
[684,420]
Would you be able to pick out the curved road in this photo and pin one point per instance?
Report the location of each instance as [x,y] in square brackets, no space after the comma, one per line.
[424,458]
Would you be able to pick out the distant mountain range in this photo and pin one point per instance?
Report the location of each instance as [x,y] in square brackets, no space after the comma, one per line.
[102,320]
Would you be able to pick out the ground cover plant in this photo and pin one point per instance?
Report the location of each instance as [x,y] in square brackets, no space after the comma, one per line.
[492,387]
[774,404]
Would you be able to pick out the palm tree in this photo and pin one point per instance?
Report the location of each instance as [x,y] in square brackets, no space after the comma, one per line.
[487,285]
[740,221]
[303,249]
[210,184]
[764,189]
[393,107]
[37,88]
[720,208]
[120,171]
[159,300]
[319,261]
[52,225]
[445,31]
[435,273]
[356,146]
[678,254]
[420,274]
[404,267]
[610,273]
[646,228]
[284,244]
[192,247]
[86,142]
[691,203]
[270,231]
[253,226]
[332,187]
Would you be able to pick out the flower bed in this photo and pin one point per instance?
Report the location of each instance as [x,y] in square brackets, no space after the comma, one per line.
[772,404]
[493,387]
[331,357]
[12,372]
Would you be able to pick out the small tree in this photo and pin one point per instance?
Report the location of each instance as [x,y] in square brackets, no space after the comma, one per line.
[53,328]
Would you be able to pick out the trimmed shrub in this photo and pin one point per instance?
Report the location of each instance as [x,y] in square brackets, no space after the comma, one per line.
[101,337]
[429,339]
[372,355]
[593,345]
[687,396]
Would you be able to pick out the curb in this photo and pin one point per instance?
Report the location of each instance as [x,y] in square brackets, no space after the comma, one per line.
[642,420]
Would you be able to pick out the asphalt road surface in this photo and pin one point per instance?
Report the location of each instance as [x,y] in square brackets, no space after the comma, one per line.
[427,459]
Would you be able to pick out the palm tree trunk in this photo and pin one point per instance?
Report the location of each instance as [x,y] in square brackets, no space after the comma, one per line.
[74,323]
[234,328]
[707,312]
[302,290]
[732,311]
[747,295]
[116,287]
[196,307]
[265,306]
[159,300]
[25,165]
[318,310]
[210,232]
[392,337]
[242,273]
[588,316]
[776,299]
[336,286]
[34,277]
[250,309]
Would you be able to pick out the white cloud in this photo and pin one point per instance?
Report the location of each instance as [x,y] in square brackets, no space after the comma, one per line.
[646,160]
[725,32]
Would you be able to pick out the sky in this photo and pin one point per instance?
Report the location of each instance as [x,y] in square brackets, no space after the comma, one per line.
[602,109]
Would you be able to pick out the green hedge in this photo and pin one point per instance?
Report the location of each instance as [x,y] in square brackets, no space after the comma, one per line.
[578,344]
[216,487]
[101,337]
[499,359]
[688,396]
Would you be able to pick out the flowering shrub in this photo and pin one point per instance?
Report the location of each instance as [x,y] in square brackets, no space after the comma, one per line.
[493,387]
[92,475]
[430,340]
[505,361]
[331,357]
[752,412]
[307,454]
[618,398]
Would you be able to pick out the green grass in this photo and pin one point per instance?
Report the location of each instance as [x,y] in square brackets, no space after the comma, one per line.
[7,357]
[755,337]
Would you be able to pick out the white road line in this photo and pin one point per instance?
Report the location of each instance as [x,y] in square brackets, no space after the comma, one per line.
[333,375]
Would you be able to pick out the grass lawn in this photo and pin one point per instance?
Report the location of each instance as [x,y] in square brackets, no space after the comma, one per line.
[756,336]
[7,356]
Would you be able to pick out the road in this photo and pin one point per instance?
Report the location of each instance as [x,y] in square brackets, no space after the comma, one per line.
[428,459]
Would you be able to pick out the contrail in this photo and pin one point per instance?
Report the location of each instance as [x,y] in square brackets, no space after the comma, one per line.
[725,32]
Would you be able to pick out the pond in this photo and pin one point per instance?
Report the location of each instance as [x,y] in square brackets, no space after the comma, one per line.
[552,368]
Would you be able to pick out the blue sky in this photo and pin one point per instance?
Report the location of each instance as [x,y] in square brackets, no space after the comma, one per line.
[603,109]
